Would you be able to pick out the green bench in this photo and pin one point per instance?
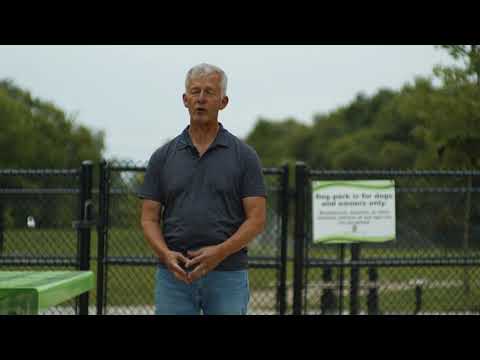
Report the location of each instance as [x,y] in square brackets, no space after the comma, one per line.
[29,292]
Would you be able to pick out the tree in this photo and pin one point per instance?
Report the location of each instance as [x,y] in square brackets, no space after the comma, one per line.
[277,141]
[463,83]
[468,73]
[37,134]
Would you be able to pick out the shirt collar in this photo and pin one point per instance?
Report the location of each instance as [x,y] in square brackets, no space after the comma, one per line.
[220,140]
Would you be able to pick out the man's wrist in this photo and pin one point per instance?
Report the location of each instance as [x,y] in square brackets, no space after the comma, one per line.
[162,254]
[224,250]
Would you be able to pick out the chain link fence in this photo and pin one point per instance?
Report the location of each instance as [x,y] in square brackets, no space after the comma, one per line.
[36,212]
[433,265]
[129,264]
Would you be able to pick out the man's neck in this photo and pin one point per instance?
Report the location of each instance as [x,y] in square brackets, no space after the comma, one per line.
[203,134]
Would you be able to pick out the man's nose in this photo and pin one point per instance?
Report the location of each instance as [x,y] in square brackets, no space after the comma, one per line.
[201,96]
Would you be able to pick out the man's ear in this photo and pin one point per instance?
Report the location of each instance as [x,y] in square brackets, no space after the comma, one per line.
[184,98]
[224,103]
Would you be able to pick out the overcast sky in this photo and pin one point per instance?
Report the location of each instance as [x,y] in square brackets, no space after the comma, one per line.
[133,93]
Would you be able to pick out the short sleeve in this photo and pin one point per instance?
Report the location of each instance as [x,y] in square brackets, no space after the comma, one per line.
[253,182]
[151,189]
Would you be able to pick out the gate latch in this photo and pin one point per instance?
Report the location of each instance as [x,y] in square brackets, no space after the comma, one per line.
[84,224]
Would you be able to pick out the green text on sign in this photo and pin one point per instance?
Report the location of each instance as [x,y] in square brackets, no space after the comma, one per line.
[353,211]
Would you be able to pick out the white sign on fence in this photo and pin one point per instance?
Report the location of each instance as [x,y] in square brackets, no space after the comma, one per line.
[353,211]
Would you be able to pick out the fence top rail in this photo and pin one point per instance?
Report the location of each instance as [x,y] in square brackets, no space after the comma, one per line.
[266,171]
[407,173]
[40,172]
[430,189]
[127,168]
[396,262]
[6,260]
[33,191]
[273,171]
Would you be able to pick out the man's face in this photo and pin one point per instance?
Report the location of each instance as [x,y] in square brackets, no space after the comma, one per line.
[203,98]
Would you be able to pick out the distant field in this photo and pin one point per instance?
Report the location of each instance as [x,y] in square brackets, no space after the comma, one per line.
[126,285]
[443,287]
[63,242]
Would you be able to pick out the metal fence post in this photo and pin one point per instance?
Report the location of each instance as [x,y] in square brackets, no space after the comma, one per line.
[84,230]
[1,229]
[101,231]
[327,299]
[418,298]
[341,279]
[282,291]
[372,297]
[299,248]
[354,280]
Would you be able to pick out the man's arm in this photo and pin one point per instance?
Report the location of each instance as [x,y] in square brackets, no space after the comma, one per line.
[153,233]
[209,257]
[254,224]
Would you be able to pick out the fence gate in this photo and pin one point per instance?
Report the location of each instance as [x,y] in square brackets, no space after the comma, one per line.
[432,267]
[37,211]
[126,265]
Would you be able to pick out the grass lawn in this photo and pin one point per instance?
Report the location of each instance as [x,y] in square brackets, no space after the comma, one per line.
[126,285]
[443,288]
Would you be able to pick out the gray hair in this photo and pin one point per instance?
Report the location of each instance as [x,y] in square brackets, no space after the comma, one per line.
[207,69]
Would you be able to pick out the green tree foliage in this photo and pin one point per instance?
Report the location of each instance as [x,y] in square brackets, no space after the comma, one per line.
[420,126]
[284,140]
[429,123]
[459,142]
[468,73]
[37,134]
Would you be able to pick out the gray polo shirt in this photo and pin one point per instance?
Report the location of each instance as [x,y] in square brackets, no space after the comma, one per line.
[202,196]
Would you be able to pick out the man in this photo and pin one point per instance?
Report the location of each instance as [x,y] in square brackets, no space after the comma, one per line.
[207,187]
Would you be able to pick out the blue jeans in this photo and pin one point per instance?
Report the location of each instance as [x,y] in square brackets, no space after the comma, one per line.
[217,293]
